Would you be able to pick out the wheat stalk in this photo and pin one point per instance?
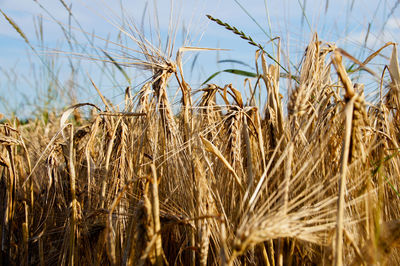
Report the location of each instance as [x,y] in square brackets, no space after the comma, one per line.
[242,35]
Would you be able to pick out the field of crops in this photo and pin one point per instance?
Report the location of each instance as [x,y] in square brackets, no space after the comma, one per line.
[309,178]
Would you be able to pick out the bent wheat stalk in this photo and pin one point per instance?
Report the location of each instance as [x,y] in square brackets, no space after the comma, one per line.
[348,112]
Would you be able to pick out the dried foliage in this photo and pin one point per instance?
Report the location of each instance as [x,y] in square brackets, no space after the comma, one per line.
[212,184]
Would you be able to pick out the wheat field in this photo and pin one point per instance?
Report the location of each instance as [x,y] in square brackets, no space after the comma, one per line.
[310,178]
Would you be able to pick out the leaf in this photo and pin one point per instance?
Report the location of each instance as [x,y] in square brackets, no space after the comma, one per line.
[232,71]
[238,97]
[69,111]
[234,61]
[392,186]
[394,69]
[367,60]
[211,77]
[373,55]
[241,72]
[214,150]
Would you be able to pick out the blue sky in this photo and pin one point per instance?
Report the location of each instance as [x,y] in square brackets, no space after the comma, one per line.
[24,82]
